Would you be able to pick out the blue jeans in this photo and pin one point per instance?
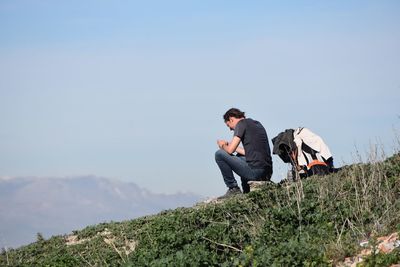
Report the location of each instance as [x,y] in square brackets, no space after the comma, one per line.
[228,164]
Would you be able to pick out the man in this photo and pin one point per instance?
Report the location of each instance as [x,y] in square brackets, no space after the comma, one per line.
[252,162]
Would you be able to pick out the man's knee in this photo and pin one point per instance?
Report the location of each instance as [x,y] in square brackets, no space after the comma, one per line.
[220,154]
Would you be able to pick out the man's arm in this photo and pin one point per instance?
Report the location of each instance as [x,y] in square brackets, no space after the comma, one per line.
[240,150]
[230,147]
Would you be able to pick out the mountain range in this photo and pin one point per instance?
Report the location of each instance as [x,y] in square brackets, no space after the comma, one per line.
[52,206]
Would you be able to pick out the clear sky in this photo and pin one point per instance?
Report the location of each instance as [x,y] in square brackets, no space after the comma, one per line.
[136,90]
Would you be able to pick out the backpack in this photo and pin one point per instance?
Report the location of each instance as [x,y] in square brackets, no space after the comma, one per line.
[313,155]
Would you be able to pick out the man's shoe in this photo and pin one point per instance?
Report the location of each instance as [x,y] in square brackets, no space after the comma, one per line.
[231,192]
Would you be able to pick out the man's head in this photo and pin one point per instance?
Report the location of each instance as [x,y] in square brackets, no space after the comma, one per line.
[232,117]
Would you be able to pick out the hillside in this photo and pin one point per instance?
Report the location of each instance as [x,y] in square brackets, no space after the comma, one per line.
[319,221]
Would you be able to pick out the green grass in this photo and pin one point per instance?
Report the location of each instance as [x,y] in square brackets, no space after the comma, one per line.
[315,222]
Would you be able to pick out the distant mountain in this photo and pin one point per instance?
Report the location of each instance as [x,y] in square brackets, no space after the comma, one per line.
[53,206]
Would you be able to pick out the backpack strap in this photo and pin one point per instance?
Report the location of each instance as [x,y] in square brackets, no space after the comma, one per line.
[316,162]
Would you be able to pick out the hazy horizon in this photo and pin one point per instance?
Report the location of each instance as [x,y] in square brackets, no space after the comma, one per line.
[51,206]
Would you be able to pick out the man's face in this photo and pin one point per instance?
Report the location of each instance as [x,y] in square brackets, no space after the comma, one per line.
[230,124]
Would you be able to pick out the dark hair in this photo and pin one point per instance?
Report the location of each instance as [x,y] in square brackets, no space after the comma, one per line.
[233,112]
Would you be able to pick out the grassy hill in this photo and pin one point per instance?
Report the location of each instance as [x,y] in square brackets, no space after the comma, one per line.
[315,222]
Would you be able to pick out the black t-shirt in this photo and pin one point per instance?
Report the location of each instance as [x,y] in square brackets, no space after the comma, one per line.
[255,142]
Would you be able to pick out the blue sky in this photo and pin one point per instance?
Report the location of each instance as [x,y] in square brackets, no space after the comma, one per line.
[136,90]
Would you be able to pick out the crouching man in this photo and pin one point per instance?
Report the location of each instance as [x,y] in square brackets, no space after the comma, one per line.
[252,162]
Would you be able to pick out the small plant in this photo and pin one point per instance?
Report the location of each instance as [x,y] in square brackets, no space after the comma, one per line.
[39,237]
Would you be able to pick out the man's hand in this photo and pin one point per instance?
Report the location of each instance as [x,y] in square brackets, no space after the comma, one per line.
[222,143]
[229,147]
